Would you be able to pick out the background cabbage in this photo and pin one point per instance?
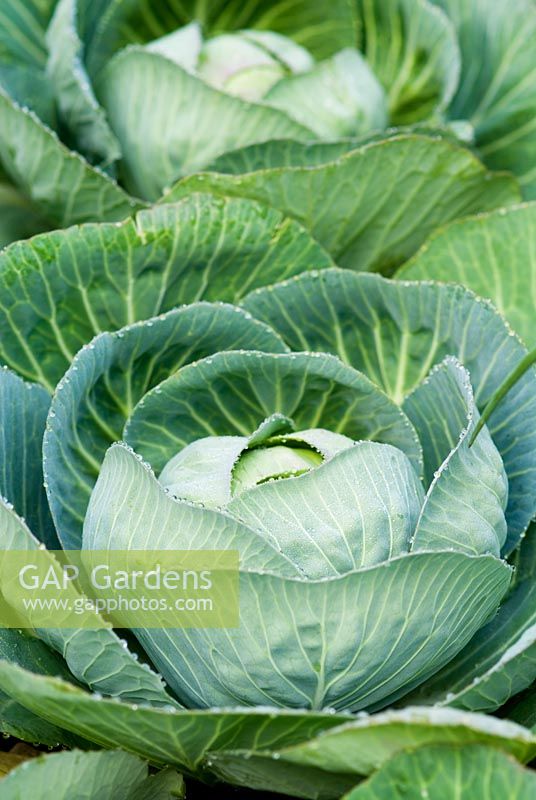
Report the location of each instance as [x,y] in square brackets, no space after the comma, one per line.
[106,105]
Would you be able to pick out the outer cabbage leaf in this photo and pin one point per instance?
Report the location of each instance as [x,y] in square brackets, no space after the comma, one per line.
[278,658]
[412,47]
[477,525]
[190,740]
[165,736]
[497,91]
[494,255]
[23,54]
[60,290]
[80,111]
[283,153]
[366,745]
[115,671]
[63,187]
[99,775]
[454,770]
[23,412]
[291,153]
[362,745]
[373,207]
[15,720]
[500,660]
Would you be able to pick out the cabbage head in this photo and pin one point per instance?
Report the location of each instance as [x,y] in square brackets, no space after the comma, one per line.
[204,378]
